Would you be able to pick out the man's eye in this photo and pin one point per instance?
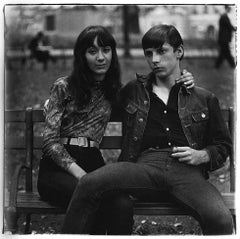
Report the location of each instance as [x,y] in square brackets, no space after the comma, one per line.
[148,53]
[161,51]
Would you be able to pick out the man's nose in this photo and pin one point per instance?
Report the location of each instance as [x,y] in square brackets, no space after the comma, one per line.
[156,57]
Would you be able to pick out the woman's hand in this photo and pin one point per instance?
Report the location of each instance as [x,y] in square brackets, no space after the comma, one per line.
[76,171]
[187,79]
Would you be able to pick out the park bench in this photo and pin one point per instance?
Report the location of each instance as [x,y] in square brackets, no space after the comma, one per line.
[27,202]
[22,56]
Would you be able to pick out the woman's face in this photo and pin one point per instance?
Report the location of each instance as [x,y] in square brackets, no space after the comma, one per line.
[98,59]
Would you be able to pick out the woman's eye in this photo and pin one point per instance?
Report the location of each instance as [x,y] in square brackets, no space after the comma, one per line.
[92,51]
[106,49]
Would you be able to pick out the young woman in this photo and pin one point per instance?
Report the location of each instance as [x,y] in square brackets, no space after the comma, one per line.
[77,114]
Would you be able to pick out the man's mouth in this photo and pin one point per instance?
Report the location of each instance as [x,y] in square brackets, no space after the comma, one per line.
[158,69]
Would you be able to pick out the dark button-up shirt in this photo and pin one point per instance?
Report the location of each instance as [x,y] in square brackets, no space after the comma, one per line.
[163,128]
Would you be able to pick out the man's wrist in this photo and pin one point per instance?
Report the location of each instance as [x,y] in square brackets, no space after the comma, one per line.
[205,156]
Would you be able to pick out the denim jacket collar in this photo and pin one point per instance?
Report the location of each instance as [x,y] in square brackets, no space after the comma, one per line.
[146,80]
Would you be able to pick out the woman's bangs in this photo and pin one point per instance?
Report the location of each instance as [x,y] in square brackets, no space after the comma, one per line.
[89,39]
[104,40]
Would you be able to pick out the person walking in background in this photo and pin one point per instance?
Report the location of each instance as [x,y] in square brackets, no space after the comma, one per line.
[224,38]
[77,114]
[39,51]
[172,137]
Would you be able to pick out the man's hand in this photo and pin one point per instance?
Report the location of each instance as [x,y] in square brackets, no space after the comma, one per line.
[190,156]
[186,78]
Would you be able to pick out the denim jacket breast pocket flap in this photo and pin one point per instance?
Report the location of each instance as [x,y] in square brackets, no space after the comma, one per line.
[200,116]
[130,109]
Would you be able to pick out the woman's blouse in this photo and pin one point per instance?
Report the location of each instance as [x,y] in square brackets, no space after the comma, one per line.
[66,118]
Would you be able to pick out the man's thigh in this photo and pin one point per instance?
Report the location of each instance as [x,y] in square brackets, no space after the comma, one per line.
[132,178]
[191,188]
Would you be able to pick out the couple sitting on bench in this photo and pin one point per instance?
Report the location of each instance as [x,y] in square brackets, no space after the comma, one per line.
[173,134]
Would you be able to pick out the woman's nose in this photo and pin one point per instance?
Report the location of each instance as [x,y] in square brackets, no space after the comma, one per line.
[100,56]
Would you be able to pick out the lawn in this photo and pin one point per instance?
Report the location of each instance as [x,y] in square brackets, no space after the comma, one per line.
[25,86]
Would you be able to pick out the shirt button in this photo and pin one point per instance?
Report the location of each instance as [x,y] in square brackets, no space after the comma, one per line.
[169,143]
[135,138]
[145,102]
[167,129]
[165,112]
[140,120]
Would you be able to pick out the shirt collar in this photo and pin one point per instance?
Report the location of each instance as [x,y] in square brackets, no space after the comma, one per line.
[147,81]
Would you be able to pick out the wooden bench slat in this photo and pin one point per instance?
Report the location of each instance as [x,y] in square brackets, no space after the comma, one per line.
[31,202]
[14,116]
[18,142]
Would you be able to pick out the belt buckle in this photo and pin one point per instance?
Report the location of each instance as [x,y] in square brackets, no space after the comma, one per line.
[82,141]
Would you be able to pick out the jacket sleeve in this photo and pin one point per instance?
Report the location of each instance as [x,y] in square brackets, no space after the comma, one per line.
[219,139]
[51,135]
[121,99]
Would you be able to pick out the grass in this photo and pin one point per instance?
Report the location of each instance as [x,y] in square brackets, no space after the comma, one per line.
[30,87]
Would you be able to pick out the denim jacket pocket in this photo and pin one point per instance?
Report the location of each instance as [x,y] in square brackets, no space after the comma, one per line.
[130,109]
[200,116]
[199,127]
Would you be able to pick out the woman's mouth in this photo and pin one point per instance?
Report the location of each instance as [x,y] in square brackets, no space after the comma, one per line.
[101,66]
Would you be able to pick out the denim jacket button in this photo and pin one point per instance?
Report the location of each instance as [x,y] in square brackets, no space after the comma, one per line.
[145,102]
[135,138]
[140,120]
[203,115]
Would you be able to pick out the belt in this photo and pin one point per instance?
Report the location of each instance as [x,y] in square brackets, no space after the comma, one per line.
[80,141]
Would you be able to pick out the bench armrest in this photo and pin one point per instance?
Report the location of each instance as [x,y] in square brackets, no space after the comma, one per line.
[14,185]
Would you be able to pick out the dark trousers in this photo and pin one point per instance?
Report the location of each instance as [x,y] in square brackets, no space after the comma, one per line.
[114,215]
[153,174]
[224,53]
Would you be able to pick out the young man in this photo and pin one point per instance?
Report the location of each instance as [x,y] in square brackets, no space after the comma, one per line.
[172,136]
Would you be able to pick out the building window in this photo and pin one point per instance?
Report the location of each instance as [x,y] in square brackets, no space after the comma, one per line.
[50,23]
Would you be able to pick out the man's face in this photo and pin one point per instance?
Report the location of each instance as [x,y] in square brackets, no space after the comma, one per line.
[163,61]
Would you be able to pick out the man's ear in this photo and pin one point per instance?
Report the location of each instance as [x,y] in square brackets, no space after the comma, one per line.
[180,52]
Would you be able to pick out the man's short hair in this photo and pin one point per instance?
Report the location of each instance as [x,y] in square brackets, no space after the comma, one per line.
[156,36]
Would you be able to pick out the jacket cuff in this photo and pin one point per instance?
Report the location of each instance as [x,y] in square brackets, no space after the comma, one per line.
[215,159]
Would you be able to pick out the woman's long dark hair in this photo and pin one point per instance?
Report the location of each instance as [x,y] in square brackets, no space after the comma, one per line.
[81,79]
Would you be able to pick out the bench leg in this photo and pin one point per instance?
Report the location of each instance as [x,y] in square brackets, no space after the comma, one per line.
[234,222]
[27,226]
[11,219]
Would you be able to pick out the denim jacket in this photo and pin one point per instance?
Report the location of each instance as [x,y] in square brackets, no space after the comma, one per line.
[199,113]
